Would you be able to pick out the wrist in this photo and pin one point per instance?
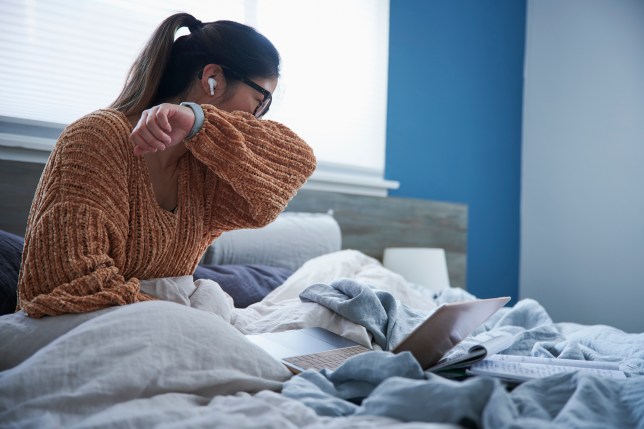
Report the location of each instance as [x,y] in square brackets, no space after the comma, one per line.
[199,118]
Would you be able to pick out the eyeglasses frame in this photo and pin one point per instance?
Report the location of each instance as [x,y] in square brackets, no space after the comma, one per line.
[268,97]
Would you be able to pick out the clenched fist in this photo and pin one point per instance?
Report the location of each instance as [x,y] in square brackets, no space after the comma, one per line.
[160,127]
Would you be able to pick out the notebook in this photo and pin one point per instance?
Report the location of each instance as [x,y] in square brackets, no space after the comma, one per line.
[318,348]
[522,368]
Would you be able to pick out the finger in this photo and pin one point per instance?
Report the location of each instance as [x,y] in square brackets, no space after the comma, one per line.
[143,149]
[140,134]
[162,118]
[144,139]
[135,135]
[141,121]
[153,133]
[138,151]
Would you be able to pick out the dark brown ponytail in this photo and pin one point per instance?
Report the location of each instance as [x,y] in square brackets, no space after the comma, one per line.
[146,72]
[165,68]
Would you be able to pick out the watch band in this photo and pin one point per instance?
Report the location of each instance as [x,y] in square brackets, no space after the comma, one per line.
[199,118]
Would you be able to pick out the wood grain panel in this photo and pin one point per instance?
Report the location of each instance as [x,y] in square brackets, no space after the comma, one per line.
[371,224]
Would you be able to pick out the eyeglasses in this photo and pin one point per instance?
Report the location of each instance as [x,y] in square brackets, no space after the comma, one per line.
[265,104]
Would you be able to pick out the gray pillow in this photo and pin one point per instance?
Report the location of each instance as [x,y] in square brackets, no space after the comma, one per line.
[291,240]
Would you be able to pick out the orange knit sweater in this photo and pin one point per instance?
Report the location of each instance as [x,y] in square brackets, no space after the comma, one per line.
[95,227]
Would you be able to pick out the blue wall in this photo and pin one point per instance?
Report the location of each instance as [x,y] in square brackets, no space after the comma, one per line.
[454,122]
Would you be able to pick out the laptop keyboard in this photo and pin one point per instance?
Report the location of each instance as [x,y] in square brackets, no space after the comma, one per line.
[330,359]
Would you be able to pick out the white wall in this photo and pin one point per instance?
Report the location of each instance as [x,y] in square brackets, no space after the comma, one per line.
[582,233]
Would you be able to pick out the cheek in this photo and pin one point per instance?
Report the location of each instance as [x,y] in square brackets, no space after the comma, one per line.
[238,102]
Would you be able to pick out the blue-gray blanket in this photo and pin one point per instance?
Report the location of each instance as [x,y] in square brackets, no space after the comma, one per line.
[384,384]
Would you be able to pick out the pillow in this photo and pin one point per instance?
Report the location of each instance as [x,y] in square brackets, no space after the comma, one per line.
[288,242]
[10,256]
[126,354]
[246,284]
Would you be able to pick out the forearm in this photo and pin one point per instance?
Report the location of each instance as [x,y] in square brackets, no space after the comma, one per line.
[262,163]
[79,296]
[66,267]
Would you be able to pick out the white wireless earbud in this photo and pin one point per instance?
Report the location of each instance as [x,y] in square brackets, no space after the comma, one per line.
[212,83]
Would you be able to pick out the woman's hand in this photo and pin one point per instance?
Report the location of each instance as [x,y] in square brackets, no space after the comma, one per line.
[160,127]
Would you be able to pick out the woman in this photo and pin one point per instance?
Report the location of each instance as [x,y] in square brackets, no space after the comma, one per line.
[139,191]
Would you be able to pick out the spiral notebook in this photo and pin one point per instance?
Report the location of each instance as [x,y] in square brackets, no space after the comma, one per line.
[523,368]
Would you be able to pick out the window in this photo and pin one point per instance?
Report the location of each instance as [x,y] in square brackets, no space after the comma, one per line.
[64,58]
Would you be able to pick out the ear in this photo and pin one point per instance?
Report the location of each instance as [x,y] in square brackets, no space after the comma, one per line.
[212,71]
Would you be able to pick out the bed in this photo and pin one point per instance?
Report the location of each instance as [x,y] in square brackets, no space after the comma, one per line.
[183,361]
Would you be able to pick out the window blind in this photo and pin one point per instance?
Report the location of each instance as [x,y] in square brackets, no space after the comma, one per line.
[62,59]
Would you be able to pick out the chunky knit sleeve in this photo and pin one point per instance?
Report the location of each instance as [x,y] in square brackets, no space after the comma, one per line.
[255,167]
[68,270]
[75,241]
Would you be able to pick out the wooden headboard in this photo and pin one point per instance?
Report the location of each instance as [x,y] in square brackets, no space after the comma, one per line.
[368,224]
[371,224]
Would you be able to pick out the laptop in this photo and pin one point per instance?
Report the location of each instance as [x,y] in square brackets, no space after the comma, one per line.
[317,348]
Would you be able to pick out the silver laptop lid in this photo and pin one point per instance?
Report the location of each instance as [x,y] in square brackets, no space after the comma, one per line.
[446,327]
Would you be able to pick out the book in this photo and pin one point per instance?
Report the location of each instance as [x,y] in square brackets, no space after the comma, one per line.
[523,368]
[459,362]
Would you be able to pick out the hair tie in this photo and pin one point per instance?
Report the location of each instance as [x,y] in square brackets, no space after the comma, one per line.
[196,25]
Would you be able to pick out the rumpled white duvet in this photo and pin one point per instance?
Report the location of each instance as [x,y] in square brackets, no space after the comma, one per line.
[184,362]
[178,362]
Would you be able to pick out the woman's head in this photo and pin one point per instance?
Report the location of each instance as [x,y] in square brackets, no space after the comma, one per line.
[235,55]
